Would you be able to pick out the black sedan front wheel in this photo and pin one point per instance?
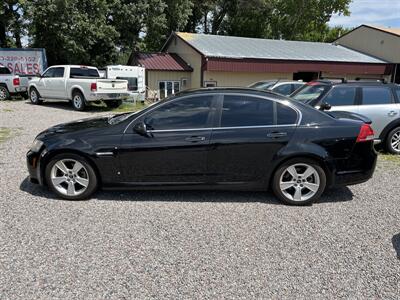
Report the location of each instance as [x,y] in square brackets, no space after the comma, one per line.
[299,182]
[71,177]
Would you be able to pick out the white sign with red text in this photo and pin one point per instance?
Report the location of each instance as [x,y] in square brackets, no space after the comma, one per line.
[23,61]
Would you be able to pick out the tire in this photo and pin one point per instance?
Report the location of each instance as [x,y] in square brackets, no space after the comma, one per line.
[71,177]
[34,96]
[392,141]
[113,103]
[78,101]
[4,94]
[294,190]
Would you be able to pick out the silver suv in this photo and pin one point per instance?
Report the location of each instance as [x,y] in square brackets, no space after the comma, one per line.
[378,101]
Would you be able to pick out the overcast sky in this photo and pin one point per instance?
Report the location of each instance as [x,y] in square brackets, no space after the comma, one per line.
[375,12]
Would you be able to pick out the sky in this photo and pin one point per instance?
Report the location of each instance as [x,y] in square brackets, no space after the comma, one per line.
[384,13]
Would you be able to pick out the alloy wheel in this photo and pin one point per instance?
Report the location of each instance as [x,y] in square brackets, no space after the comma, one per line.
[299,182]
[3,93]
[34,96]
[395,141]
[77,101]
[69,177]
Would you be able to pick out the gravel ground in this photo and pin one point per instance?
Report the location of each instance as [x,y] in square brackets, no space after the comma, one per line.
[190,244]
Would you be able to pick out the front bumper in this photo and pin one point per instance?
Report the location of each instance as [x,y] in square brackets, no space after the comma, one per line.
[107,96]
[34,168]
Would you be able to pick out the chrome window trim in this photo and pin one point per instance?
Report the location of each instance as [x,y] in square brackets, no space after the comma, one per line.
[283,102]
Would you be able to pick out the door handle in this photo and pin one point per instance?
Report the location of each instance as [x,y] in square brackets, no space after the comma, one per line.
[276,134]
[392,113]
[195,139]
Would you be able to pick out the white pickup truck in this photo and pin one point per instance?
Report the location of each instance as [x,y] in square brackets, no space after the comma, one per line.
[11,84]
[78,84]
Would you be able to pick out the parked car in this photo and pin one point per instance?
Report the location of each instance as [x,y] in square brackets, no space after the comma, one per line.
[283,87]
[215,138]
[134,75]
[12,85]
[78,84]
[376,100]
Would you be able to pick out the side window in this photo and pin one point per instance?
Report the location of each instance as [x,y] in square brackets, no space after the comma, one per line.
[398,94]
[340,96]
[284,89]
[49,73]
[189,113]
[376,95]
[296,86]
[246,111]
[286,115]
[58,72]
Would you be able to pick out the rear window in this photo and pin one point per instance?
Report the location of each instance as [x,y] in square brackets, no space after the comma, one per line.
[4,70]
[132,83]
[286,115]
[340,96]
[310,92]
[263,85]
[376,95]
[84,72]
[284,89]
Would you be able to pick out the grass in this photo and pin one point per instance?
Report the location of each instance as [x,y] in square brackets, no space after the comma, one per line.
[7,110]
[392,158]
[5,134]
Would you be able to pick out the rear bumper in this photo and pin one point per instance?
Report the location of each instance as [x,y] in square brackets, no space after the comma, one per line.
[106,96]
[359,167]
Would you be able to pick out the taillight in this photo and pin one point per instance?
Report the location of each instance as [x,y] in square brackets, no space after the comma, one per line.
[366,134]
[16,81]
[93,86]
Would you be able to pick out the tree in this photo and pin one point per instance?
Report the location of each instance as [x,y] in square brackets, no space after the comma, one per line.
[141,24]
[73,31]
[11,23]
[177,13]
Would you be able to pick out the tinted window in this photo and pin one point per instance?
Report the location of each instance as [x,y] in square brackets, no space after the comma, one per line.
[310,92]
[58,72]
[246,111]
[398,94]
[49,73]
[340,96]
[4,70]
[181,114]
[286,115]
[262,85]
[284,89]
[376,95]
[132,83]
[296,86]
[84,72]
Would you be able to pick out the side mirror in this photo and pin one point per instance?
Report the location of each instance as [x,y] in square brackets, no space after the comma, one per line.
[325,106]
[141,128]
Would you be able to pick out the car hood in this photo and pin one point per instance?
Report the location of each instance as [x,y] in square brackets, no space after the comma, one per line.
[100,125]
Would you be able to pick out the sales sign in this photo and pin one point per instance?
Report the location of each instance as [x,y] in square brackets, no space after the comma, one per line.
[28,61]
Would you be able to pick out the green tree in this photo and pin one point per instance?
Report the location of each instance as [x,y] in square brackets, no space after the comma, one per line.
[73,31]
[12,26]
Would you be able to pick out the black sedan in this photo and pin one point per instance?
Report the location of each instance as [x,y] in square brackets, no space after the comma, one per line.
[217,138]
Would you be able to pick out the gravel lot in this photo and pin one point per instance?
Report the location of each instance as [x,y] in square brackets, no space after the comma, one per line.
[190,244]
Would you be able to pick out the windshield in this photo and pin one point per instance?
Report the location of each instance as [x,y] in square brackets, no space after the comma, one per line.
[310,92]
[263,85]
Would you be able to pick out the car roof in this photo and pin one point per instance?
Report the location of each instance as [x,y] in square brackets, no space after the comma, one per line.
[353,83]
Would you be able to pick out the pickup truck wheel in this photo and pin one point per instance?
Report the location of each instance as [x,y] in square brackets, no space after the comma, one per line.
[114,103]
[393,141]
[4,94]
[34,96]
[78,101]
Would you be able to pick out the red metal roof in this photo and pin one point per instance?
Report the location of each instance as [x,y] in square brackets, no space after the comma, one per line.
[163,62]
[286,66]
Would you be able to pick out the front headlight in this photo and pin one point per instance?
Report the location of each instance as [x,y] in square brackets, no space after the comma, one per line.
[37,144]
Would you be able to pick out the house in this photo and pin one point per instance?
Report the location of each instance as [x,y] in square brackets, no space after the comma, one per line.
[380,42]
[189,60]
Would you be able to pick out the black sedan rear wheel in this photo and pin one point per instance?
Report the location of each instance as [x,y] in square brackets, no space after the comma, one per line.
[71,177]
[299,181]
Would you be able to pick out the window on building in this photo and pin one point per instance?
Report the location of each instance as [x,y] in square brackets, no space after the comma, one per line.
[167,88]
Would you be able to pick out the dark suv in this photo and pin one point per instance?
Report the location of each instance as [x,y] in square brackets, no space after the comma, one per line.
[376,100]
